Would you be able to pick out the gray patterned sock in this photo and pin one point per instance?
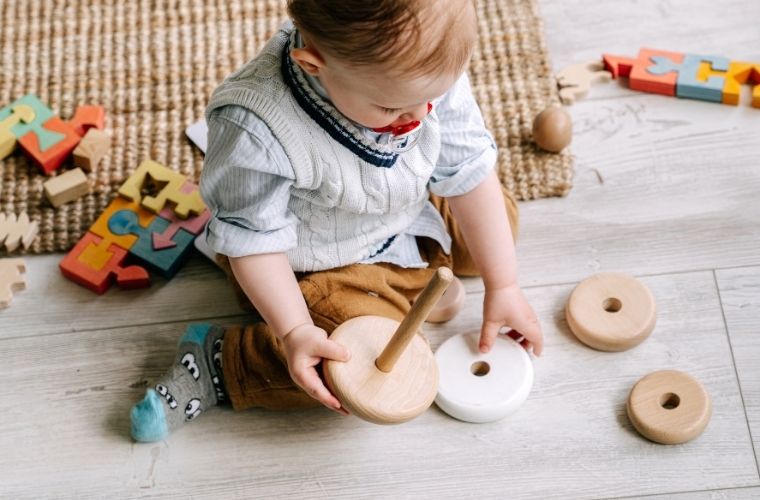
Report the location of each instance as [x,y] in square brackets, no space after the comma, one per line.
[192,385]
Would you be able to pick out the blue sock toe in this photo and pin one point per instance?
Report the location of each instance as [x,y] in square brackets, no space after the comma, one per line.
[148,418]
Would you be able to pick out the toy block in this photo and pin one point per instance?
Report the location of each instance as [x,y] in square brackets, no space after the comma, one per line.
[88,117]
[125,241]
[166,261]
[649,72]
[575,81]
[193,225]
[657,71]
[9,117]
[66,187]
[89,152]
[17,231]
[689,85]
[153,185]
[618,66]
[94,263]
[11,279]
[738,74]
[41,113]
[50,157]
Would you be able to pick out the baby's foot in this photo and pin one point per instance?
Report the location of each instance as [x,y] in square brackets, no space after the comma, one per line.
[192,384]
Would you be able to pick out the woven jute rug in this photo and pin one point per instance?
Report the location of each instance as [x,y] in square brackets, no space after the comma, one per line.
[153,64]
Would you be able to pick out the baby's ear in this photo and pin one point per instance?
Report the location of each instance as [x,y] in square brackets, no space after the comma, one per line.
[308,59]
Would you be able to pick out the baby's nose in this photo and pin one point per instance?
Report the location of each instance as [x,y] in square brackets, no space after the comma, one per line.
[415,114]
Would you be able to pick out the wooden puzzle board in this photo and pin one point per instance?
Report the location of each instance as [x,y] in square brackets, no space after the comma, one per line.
[154,68]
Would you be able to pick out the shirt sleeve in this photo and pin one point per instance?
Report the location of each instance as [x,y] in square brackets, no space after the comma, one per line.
[246,183]
[468,151]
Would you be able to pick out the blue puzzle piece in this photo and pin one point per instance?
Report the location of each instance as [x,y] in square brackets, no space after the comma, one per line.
[166,261]
[663,65]
[688,85]
[47,138]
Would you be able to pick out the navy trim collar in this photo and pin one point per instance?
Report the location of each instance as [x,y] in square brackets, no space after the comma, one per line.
[325,113]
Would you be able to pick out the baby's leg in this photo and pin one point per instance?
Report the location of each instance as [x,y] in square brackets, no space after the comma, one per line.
[255,369]
[460,260]
[193,384]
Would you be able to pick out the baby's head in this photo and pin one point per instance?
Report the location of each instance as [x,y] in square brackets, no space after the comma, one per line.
[382,61]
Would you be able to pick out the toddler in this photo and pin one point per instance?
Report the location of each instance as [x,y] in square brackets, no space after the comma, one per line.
[345,163]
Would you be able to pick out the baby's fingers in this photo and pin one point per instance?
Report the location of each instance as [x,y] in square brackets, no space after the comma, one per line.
[330,349]
[488,333]
[314,386]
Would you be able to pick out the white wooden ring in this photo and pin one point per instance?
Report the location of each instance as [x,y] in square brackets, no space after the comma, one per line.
[669,407]
[611,311]
[449,304]
[476,387]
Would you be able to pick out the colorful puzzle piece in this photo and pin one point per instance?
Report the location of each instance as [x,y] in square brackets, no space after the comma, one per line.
[95,262]
[688,83]
[166,260]
[193,225]
[13,115]
[125,241]
[11,279]
[127,227]
[575,81]
[170,185]
[707,78]
[87,117]
[45,138]
[738,74]
[41,114]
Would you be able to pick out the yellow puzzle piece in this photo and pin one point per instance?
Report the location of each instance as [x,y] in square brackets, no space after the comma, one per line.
[168,184]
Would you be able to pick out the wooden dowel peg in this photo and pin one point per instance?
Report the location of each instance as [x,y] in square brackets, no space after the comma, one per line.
[414,319]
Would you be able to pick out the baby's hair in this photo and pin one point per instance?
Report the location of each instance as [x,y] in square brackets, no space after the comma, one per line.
[388,32]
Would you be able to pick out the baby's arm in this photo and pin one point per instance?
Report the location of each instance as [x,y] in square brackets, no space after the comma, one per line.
[484,224]
[246,183]
[270,284]
[465,176]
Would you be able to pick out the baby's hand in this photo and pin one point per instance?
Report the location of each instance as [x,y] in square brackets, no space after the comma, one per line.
[305,346]
[508,307]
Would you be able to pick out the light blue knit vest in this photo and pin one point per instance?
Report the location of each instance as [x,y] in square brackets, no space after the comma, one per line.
[351,195]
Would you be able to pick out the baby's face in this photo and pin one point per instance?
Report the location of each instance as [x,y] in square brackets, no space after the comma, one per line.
[376,97]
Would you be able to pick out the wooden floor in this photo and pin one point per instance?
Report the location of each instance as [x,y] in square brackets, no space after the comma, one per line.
[665,189]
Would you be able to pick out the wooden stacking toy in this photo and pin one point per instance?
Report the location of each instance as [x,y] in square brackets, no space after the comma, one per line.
[669,407]
[611,312]
[477,387]
[392,375]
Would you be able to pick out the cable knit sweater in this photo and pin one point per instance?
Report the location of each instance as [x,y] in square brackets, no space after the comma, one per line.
[350,196]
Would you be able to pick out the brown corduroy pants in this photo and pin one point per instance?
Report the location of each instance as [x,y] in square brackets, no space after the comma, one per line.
[254,366]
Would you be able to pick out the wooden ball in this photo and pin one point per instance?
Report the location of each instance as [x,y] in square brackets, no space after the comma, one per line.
[553,129]
[669,407]
[373,395]
[611,312]
[449,304]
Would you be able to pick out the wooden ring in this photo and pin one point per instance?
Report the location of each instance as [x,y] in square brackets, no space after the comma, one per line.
[669,407]
[371,394]
[611,312]
[476,387]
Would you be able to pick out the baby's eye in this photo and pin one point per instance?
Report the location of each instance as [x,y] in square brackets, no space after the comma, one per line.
[389,110]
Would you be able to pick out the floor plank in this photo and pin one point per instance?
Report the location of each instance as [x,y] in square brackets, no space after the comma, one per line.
[727,494]
[740,296]
[200,290]
[570,440]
